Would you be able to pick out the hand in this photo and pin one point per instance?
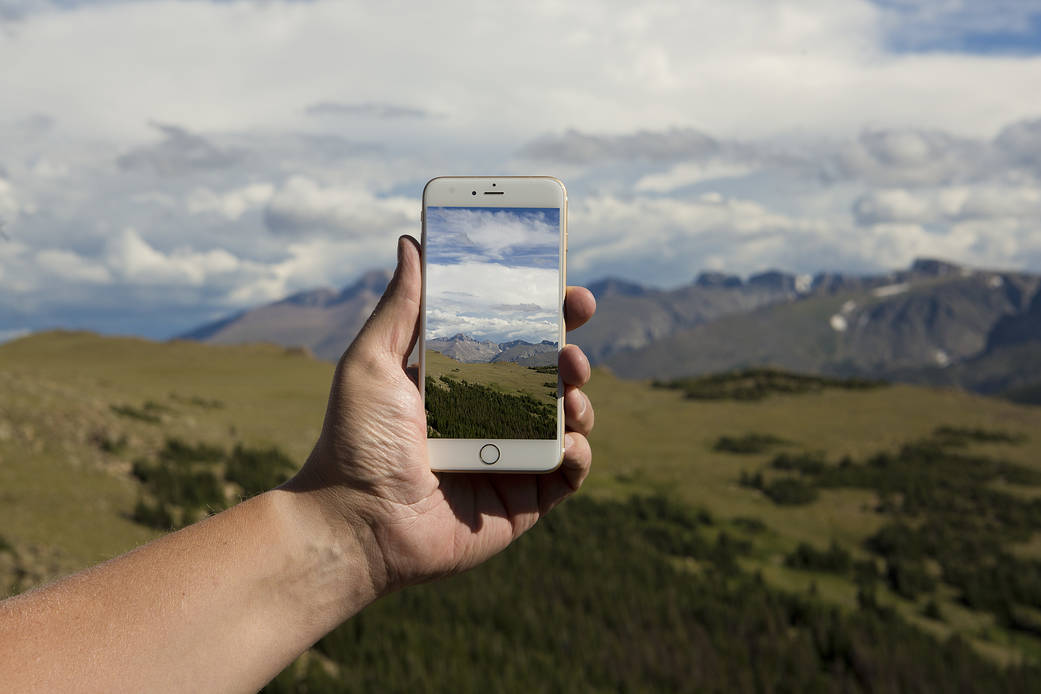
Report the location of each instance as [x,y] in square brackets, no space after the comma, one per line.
[369,470]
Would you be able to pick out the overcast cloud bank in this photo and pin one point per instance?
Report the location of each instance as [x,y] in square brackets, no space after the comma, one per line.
[150,184]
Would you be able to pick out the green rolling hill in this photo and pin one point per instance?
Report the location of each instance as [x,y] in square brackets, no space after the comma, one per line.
[86,420]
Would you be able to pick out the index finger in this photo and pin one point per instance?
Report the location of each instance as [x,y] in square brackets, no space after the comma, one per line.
[579,306]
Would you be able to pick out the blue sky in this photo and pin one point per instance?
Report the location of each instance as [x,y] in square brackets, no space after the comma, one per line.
[986,27]
[165,163]
[492,273]
[511,236]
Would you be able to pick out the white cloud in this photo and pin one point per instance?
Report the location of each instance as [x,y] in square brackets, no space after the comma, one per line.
[687,174]
[463,297]
[70,267]
[303,205]
[131,258]
[748,67]
[736,136]
[8,203]
[949,204]
[230,204]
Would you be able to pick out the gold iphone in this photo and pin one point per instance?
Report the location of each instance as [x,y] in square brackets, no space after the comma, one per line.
[492,322]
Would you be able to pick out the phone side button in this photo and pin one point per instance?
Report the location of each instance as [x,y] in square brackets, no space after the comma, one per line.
[489,454]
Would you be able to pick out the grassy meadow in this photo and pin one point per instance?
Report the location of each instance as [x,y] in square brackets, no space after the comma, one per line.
[714,519]
[498,400]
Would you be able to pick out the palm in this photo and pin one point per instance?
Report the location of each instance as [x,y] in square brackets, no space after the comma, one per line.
[435,523]
[373,450]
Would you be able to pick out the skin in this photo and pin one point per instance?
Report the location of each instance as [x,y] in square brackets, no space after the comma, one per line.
[226,604]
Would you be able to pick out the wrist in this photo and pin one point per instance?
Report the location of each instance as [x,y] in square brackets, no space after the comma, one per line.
[334,567]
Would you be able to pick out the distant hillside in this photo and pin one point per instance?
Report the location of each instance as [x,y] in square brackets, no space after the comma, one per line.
[932,324]
[465,348]
[789,494]
[322,320]
[527,354]
[469,350]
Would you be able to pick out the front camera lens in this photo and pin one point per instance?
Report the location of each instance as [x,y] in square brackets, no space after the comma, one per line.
[473,192]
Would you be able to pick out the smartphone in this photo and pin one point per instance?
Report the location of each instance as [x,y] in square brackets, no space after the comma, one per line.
[492,322]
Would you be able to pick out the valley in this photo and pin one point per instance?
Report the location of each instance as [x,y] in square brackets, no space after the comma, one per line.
[86,418]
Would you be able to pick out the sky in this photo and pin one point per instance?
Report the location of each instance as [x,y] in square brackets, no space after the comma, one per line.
[493,273]
[163,164]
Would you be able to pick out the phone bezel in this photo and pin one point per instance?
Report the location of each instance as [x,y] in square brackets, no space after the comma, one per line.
[516,455]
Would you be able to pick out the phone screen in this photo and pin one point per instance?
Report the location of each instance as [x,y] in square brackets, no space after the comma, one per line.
[492,322]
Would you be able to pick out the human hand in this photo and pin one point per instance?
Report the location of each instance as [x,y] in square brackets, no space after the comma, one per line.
[369,471]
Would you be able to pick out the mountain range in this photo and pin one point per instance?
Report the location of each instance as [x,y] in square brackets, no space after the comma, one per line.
[934,323]
[321,320]
[469,350]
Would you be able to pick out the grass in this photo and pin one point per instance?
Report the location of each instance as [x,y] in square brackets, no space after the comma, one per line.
[59,487]
[506,377]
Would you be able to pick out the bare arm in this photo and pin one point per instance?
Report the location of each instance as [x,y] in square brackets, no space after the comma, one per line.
[224,605]
[220,606]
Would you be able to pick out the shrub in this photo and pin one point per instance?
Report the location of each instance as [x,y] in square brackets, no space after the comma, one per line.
[804,463]
[749,524]
[746,444]
[932,610]
[908,578]
[758,383]
[154,515]
[257,470]
[787,491]
[132,412]
[835,559]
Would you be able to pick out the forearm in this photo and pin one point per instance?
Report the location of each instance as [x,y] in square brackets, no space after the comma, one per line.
[223,606]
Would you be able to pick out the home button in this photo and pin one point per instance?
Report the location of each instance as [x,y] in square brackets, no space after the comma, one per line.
[489,454]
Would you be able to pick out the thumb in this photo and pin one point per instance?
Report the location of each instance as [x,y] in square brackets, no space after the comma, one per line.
[393,326]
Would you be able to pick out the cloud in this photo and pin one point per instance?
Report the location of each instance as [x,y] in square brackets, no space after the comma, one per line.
[34,125]
[678,237]
[1021,143]
[367,109]
[230,204]
[70,267]
[303,205]
[802,141]
[529,237]
[132,259]
[516,308]
[575,147]
[688,174]
[179,152]
[949,204]
[460,299]
[911,157]
[8,204]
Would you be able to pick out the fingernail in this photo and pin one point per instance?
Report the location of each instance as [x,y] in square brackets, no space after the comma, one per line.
[569,441]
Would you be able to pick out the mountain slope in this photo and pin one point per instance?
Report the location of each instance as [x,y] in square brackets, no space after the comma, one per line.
[323,320]
[919,322]
[469,350]
[465,348]
[630,317]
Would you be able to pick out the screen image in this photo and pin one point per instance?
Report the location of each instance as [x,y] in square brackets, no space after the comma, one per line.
[492,322]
